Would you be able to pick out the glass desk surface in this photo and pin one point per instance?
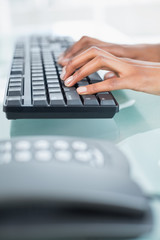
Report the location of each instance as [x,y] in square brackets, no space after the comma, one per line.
[139,113]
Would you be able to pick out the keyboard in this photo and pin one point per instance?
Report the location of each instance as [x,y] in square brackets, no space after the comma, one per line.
[35,89]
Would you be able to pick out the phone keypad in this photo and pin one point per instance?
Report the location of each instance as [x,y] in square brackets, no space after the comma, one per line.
[50,150]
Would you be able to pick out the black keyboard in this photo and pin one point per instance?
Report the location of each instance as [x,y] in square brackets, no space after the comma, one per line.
[35,90]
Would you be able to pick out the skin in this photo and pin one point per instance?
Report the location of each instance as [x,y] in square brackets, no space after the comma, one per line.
[133,67]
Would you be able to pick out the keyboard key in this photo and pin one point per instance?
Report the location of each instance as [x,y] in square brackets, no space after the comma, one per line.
[15,80]
[106,99]
[14,91]
[40,93]
[56,99]
[42,87]
[37,83]
[53,85]
[16,71]
[51,73]
[34,71]
[37,67]
[39,101]
[82,83]
[15,76]
[52,80]
[50,70]
[54,90]
[14,101]
[89,100]
[37,78]
[52,77]
[69,89]
[17,66]
[73,98]
[15,84]
[94,78]
[37,75]
[49,67]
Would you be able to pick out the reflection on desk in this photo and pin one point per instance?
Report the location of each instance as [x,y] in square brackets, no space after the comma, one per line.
[90,128]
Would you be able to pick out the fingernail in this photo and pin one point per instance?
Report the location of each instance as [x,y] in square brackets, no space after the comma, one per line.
[60,59]
[68,81]
[63,73]
[110,75]
[65,60]
[82,90]
[61,56]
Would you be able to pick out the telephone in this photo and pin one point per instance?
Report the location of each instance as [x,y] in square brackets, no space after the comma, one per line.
[67,187]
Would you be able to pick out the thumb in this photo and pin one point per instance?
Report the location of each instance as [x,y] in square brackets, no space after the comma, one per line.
[109,75]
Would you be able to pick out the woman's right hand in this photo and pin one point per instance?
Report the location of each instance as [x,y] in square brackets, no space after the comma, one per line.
[124,73]
[145,52]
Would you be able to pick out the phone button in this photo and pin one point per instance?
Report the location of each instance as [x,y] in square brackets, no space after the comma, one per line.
[64,156]
[78,145]
[43,156]
[23,156]
[83,156]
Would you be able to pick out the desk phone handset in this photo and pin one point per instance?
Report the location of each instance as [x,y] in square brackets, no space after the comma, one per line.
[68,187]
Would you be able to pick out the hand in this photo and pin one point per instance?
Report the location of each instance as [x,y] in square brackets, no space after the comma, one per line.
[124,73]
[146,52]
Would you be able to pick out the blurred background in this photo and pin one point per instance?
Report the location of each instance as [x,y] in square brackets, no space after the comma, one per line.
[133,17]
[110,20]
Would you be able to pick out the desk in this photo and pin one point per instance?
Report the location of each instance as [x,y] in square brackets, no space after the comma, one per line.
[143,115]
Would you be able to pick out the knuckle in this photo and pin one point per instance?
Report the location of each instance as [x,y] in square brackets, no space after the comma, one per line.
[70,64]
[85,39]
[93,88]
[100,59]
[95,50]
[79,74]
[112,84]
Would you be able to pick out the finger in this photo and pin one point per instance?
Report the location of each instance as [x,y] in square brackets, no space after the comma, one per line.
[109,85]
[92,66]
[76,47]
[99,62]
[85,47]
[84,42]
[109,75]
[79,61]
[88,55]
[63,60]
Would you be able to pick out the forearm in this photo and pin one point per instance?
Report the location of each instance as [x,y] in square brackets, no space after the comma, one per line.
[145,52]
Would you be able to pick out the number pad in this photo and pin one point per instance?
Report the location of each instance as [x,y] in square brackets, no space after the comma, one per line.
[48,150]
